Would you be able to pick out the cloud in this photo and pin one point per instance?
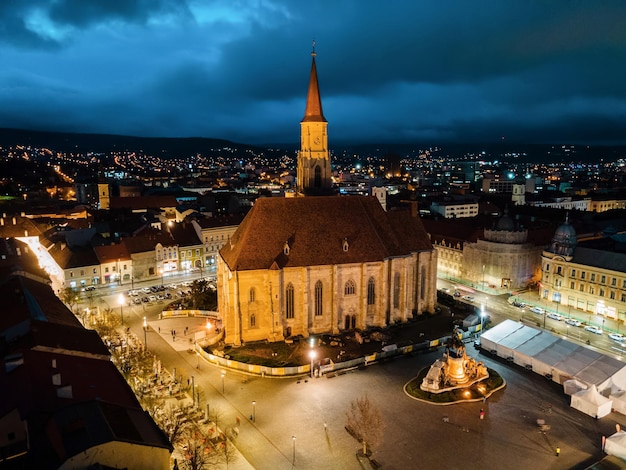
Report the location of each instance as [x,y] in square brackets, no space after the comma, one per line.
[402,70]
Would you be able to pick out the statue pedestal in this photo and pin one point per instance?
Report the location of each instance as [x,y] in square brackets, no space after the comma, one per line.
[455,370]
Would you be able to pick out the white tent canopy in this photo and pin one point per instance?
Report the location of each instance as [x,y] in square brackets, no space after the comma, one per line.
[619,401]
[616,445]
[591,402]
[555,357]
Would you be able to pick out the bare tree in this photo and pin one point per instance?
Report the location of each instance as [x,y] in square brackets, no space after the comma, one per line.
[365,422]
[175,424]
[198,453]
[228,452]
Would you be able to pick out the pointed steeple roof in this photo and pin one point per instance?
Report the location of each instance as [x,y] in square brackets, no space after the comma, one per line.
[313,111]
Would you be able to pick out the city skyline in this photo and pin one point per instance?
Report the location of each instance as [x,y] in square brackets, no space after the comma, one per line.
[407,72]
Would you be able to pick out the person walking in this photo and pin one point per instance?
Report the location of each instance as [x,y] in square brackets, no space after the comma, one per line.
[558,451]
[482,414]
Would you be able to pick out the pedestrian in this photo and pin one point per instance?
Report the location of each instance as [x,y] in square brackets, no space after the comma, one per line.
[558,451]
[186,328]
[159,330]
[482,414]
[238,419]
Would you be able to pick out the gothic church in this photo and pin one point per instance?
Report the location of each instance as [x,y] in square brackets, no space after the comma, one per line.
[320,263]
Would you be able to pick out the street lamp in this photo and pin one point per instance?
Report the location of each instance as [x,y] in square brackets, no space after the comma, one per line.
[120,299]
[293,463]
[312,356]
[223,375]
[145,333]
[254,411]
[198,363]
[484,278]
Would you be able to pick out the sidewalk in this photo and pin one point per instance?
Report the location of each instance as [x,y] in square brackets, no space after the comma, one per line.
[209,382]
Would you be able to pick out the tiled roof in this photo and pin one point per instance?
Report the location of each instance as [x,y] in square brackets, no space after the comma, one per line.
[16,256]
[17,226]
[315,229]
[146,241]
[603,259]
[184,234]
[77,257]
[111,253]
[27,300]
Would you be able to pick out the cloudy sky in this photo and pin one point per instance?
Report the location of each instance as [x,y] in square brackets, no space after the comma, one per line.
[542,71]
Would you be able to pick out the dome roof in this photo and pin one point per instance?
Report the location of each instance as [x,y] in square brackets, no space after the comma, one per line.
[564,240]
[565,233]
[505,223]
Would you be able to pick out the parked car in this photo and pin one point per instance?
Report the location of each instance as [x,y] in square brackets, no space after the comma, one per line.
[593,329]
[469,298]
[457,294]
[145,299]
[137,301]
[152,298]
[537,310]
[617,337]
[517,303]
[571,321]
[88,288]
[555,316]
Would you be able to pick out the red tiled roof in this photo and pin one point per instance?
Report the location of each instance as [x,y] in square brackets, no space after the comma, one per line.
[315,229]
[146,241]
[110,253]
[184,234]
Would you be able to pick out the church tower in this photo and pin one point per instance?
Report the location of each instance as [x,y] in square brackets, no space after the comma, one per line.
[314,158]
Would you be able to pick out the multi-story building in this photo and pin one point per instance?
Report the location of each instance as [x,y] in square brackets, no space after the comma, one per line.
[215,232]
[455,209]
[586,277]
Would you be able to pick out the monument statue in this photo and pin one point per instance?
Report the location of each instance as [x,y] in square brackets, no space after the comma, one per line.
[455,370]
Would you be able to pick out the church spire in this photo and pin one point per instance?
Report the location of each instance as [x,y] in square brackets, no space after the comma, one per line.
[313,111]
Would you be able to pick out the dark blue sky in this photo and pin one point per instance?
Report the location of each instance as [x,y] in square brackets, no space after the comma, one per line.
[395,71]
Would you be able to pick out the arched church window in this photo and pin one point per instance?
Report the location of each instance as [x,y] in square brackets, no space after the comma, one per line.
[349,288]
[318,177]
[371,291]
[318,298]
[289,301]
[252,295]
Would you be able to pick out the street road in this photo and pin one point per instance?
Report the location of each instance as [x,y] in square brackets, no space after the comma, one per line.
[415,434]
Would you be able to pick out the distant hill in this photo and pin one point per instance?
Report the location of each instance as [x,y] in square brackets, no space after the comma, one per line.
[184,147]
[102,143]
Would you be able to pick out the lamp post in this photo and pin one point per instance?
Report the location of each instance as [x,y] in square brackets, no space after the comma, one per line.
[293,463]
[223,375]
[145,333]
[312,356]
[483,278]
[120,299]
[254,411]
[198,363]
